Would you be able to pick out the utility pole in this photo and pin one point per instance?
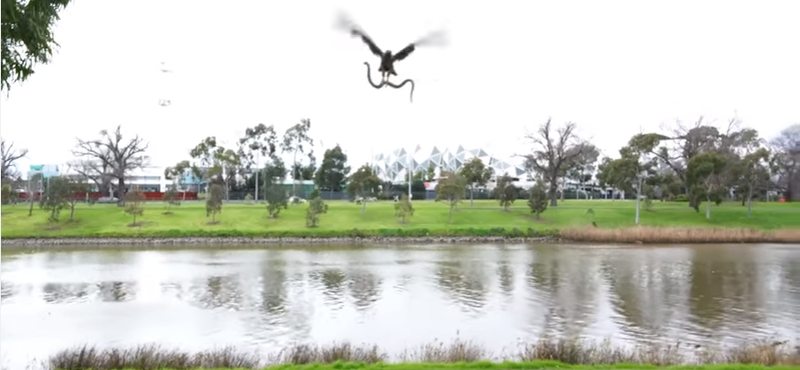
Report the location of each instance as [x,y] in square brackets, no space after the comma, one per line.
[258,169]
[641,175]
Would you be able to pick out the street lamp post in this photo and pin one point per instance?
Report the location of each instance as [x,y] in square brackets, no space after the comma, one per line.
[258,158]
[640,179]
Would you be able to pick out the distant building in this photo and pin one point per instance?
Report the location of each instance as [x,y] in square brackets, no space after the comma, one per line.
[46,170]
[148,179]
[302,188]
[396,165]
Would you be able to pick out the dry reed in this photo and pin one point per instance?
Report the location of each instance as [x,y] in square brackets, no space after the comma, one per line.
[148,357]
[665,235]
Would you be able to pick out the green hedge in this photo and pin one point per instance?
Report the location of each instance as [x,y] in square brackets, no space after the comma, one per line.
[315,233]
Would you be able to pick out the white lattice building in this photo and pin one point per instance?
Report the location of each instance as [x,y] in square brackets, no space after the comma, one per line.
[395,165]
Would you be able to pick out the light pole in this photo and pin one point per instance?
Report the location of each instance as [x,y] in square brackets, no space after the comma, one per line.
[258,158]
[640,178]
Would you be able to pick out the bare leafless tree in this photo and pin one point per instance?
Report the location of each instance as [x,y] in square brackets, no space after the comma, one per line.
[10,157]
[115,155]
[96,171]
[553,153]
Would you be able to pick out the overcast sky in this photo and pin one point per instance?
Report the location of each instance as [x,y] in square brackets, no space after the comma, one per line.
[614,67]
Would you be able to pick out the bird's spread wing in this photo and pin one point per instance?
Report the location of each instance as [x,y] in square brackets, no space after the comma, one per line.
[402,54]
[343,22]
[372,47]
[433,38]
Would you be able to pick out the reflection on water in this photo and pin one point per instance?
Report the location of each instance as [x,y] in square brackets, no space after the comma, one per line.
[268,299]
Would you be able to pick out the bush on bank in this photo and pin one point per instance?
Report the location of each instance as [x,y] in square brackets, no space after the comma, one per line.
[314,233]
[641,234]
[459,354]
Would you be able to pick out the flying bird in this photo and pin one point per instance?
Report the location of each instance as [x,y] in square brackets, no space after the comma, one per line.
[386,66]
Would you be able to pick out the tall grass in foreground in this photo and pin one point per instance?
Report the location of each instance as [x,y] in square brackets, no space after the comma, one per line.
[665,235]
[576,352]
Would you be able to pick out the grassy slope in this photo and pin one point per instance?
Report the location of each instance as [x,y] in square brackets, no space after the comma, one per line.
[190,219]
[539,365]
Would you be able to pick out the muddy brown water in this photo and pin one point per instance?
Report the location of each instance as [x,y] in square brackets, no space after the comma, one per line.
[396,297]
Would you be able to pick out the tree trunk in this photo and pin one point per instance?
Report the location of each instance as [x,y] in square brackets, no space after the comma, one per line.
[294,173]
[553,193]
[72,212]
[121,193]
[749,201]
[450,216]
[363,204]
[708,207]
[470,194]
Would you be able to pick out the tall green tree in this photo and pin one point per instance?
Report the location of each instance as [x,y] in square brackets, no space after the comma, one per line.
[403,209]
[232,167]
[333,171]
[214,201]
[505,192]
[752,174]
[274,190]
[363,183]
[217,164]
[27,34]
[258,146]
[704,177]
[56,197]
[538,199]
[451,189]
[296,140]
[476,174]
[632,171]
[583,167]
[177,175]
[316,207]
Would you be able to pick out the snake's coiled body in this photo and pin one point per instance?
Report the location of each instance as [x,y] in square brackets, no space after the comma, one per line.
[390,84]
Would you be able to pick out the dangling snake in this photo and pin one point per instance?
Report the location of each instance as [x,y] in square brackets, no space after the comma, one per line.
[390,84]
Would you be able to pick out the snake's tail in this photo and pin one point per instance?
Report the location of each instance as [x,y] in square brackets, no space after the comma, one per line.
[390,84]
[408,80]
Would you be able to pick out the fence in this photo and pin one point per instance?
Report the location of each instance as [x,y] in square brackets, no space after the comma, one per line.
[94,196]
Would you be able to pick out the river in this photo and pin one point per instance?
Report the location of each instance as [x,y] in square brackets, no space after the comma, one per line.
[396,297]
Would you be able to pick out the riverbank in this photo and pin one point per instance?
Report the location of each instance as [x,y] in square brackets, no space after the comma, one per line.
[44,243]
[634,235]
[247,224]
[251,220]
[459,354]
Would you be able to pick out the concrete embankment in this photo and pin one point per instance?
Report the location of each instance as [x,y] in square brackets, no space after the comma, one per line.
[44,243]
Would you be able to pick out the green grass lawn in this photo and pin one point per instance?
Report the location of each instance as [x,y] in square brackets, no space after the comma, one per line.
[242,219]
